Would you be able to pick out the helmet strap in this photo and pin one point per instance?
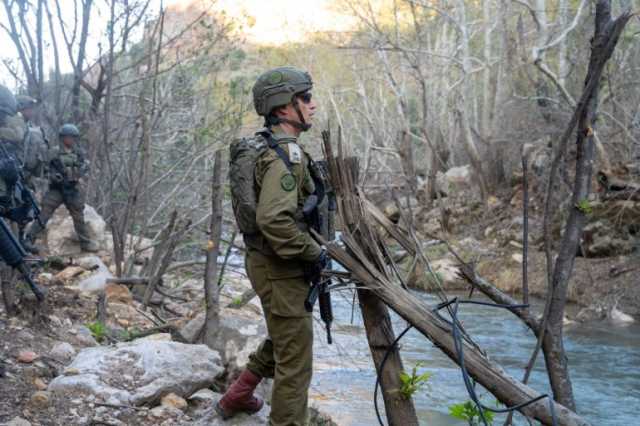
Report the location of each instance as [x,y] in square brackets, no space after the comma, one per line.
[302,125]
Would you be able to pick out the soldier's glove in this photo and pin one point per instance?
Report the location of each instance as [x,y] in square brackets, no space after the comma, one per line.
[313,270]
[57,178]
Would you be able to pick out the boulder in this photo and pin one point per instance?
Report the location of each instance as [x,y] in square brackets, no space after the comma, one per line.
[203,397]
[445,273]
[18,421]
[39,384]
[61,236]
[97,281]
[601,238]
[140,372]
[619,317]
[84,337]
[40,399]
[174,401]
[62,352]
[67,274]
[118,293]
[454,180]
[27,357]
[209,417]
[241,332]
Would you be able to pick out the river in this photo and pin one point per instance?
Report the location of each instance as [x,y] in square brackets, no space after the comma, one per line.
[603,359]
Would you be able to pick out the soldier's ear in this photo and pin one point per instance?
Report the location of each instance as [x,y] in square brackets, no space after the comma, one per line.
[279,111]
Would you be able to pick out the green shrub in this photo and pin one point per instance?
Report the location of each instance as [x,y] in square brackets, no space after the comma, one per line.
[412,383]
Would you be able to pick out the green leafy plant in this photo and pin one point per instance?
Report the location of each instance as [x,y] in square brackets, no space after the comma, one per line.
[98,330]
[469,412]
[584,206]
[411,383]
[237,301]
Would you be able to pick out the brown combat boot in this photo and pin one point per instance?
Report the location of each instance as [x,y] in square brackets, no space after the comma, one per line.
[239,397]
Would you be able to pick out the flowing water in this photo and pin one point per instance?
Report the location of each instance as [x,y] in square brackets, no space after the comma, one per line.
[603,359]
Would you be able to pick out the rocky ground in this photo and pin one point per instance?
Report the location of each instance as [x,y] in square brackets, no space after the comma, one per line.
[605,283]
[59,367]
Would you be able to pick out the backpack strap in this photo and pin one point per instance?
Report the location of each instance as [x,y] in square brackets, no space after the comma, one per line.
[278,149]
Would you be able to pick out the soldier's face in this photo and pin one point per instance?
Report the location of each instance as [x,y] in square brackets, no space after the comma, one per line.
[307,106]
[28,113]
[68,141]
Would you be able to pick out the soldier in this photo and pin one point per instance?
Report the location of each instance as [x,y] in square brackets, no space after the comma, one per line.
[281,252]
[67,167]
[10,138]
[35,144]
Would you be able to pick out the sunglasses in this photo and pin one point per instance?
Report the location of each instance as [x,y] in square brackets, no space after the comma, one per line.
[305,97]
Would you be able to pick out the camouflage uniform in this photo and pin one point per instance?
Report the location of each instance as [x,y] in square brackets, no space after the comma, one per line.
[66,167]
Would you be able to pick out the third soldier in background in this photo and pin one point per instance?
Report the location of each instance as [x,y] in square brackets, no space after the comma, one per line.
[67,168]
[35,145]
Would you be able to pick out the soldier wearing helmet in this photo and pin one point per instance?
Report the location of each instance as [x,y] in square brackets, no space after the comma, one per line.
[11,139]
[279,251]
[35,145]
[67,168]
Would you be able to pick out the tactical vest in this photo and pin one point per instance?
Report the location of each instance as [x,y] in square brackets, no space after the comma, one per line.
[69,163]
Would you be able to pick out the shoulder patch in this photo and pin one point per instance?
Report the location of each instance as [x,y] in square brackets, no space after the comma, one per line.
[295,153]
[288,182]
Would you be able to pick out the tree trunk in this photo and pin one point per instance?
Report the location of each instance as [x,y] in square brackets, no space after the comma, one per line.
[472,150]
[377,322]
[604,41]
[211,288]
[400,410]
[463,107]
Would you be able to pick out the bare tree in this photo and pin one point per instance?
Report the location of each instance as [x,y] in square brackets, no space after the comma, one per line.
[211,289]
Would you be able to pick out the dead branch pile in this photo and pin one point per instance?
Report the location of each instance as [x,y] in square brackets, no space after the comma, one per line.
[365,256]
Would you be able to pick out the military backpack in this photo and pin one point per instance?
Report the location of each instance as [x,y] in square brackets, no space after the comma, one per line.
[244,154]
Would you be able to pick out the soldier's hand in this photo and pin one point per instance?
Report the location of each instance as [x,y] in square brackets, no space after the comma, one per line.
[313,270]
[57,178]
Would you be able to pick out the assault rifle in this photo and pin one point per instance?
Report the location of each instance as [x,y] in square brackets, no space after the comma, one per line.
[64,183]
[319,285]
[14,255]
[321,221]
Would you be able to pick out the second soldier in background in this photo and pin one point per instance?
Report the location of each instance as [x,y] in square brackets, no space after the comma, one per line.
[67,168]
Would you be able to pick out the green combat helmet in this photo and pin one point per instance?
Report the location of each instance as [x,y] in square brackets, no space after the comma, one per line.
[278,87]
[25,102]
[69,130]
[8,104]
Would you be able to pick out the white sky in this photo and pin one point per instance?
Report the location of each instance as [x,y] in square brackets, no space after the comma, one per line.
[280,21]
[271,22]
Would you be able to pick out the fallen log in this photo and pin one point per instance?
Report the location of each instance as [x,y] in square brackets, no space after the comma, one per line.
[490,375]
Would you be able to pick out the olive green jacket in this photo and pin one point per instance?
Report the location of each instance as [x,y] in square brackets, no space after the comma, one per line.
[281,195]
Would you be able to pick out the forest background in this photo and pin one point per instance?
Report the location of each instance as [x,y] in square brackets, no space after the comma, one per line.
[416,87]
